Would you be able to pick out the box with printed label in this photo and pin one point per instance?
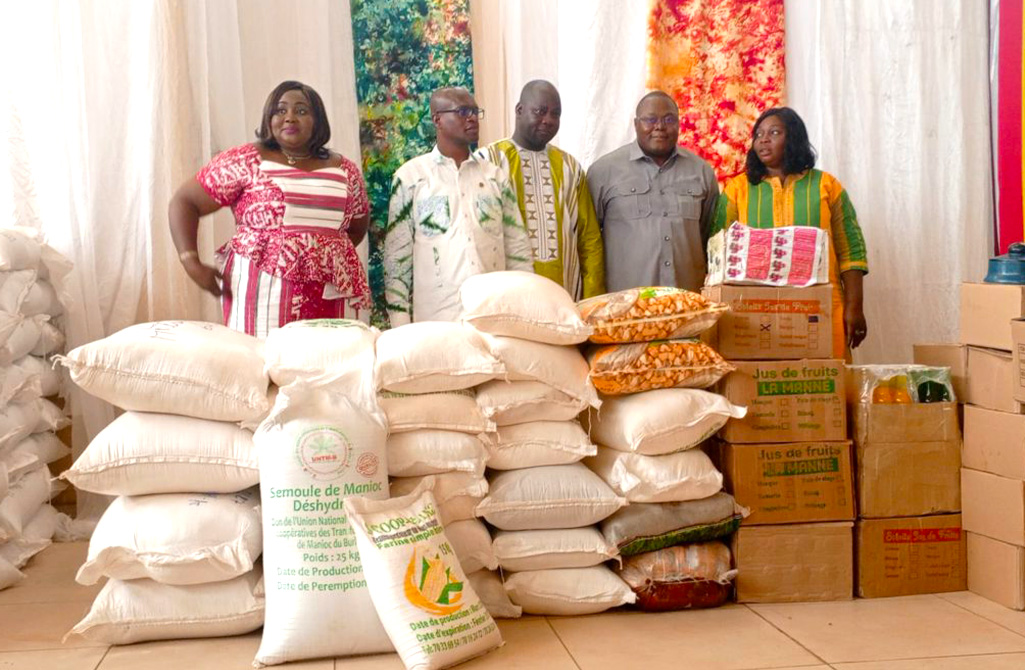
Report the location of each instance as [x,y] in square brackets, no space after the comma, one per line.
[996,570]
[994,442]
[993,506]
[791,482]
[787,401]
[953,356]
[992,380]
[1018,359]
[987,311]
[908,478]
[766,323]
[906,556]
[794,563]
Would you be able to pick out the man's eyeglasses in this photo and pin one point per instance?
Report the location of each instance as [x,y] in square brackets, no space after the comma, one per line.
[464,112]
[652,121]
[540,112]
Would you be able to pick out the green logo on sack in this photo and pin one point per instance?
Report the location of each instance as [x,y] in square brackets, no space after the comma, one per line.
[323,452]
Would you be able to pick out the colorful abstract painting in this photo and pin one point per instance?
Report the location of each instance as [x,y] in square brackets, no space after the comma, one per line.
[404,49]
[723,63]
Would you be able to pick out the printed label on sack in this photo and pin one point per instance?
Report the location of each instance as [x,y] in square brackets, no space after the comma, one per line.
[323,452]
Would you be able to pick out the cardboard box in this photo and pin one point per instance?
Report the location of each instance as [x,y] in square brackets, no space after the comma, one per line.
[993,506]
[766,323]
[994,442]
[992,380]
[987,311]
[953,356]
[908,478]
[996,570]
[795,563]
[906,422]
[903,557]
[1018,358]
[787,401]
[791,483]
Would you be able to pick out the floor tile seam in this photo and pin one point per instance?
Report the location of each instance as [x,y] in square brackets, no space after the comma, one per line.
[985,618]
[103,658]
[558,637]
[787,635]
[846,665]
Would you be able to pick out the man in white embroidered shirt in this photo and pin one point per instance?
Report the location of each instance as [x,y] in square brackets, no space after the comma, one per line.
[451,216]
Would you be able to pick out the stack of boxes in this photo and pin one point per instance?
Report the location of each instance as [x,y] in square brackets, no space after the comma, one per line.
[908,534]
[993,473]
[789,460]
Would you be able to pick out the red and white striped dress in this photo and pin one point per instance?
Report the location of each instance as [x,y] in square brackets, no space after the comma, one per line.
[291,257]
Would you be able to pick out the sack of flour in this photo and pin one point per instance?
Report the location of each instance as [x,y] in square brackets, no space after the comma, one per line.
[538,443]
[432,614]
[45,447]
[176,538]
[429,452]
[509,403]
[18,422]
[456,494]
[142,609]
[563,368]
[142,453]
[318,447]
[472,543]
[568,592]
[191,368]
[685,475]
[19,249]
[319,350]
[41,299]
[434,356]
[522,550]
[49,378]
[491,591]
[453,410]
[14,289]
[18,386]
[24,498]
[35,536]
[23,339]
[524,305]
[51,340]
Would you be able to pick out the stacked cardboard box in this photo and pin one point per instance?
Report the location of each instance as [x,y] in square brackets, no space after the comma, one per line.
[788,460]
[993,473]
[908,534]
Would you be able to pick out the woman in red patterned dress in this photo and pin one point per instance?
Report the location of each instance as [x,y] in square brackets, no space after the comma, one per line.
[300,210]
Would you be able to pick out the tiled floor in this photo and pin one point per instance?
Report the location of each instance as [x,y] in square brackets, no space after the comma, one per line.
[955,631]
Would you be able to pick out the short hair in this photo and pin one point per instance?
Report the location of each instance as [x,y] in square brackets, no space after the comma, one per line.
[321,127]
[535,85]
[798,153]
[655,94]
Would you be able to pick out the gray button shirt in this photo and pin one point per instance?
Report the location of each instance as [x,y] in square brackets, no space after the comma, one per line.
[655,220]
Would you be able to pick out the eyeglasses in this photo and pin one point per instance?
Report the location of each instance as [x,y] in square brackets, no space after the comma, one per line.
[465,112]
[652,121]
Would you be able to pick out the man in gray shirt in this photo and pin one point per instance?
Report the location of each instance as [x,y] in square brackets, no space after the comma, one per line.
[655,202]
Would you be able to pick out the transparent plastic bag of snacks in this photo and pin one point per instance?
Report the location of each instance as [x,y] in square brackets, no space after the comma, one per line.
[649,313]
[895,384]
[630,368]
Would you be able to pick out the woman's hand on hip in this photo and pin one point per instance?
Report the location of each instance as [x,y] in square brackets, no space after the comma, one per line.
[206,277]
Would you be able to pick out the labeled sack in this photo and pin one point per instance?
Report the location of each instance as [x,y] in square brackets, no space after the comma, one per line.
[456,494]
[319,350]
[472,543]
[563,368]
[316,448]
[432,614]
[433,356]
[691,576]
[538,443]
[144,453]
[176,538]
[522,550]
[662,421]
[24,498]
[524,305]
[641,527]
[630,368]
[429,452]
[197,369]
[141,610]
[649,313]
[491,591]
[571,592]
[555,496]
[509,403]
[454,410]
[685,475]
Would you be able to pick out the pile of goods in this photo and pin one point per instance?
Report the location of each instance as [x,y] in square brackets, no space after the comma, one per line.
[32,302]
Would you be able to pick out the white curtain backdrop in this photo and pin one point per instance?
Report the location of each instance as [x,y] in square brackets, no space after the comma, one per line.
[594,51]
[107,106]
[896,98]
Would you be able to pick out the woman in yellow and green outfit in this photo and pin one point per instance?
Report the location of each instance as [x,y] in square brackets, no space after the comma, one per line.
[781,188]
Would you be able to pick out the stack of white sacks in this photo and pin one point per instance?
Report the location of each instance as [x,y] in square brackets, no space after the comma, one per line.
[543,502]
[181,540]
[650,430]
[31,301]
